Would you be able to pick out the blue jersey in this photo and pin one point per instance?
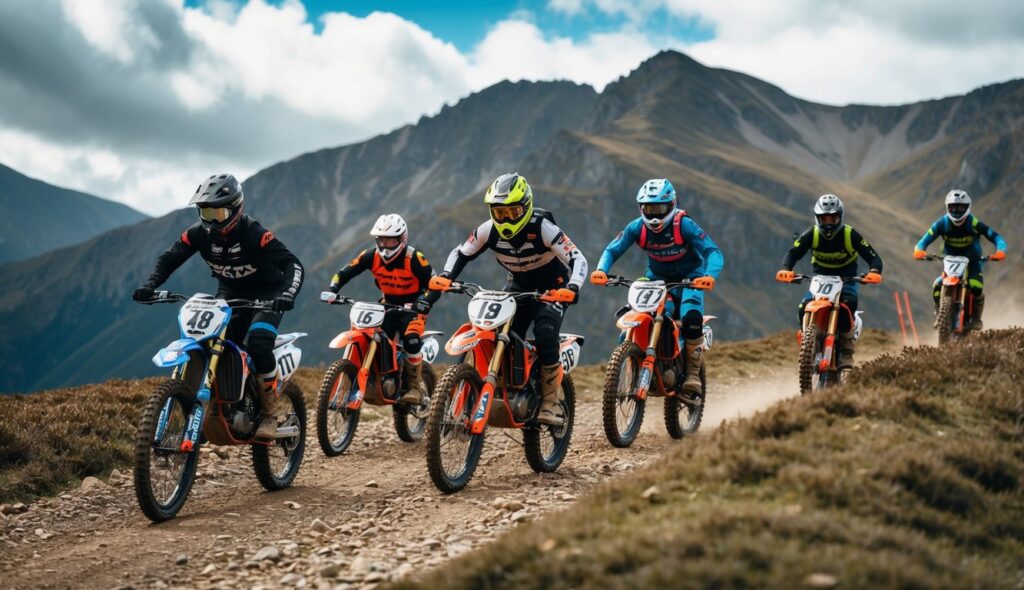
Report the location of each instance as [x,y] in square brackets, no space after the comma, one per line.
[681,250]
[961,240]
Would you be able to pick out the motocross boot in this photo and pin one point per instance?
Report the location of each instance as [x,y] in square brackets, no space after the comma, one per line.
[550,382]
[979,307]
[268,407]
[693,348]
[847,348]
[412,372]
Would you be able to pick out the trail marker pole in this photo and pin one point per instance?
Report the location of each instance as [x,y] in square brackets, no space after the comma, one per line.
[899,314]
[910,317]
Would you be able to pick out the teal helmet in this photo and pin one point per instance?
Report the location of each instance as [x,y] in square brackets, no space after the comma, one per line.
[657,200]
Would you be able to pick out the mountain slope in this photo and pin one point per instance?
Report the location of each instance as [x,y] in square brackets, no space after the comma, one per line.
[748,159]
[40,217]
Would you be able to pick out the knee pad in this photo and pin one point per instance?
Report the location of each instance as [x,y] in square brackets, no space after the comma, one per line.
[693,324]
[260,346]
[546,334]
[412,343]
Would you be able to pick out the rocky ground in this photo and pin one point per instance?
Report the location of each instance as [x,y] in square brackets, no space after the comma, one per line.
[369,516]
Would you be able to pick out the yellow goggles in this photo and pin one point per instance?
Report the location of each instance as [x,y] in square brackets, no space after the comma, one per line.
[214,213]
[507,212]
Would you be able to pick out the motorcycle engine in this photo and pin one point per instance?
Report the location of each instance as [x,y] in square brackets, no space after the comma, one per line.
[520,404]
[669,377]
[389,386]
[241,416]
[240,422]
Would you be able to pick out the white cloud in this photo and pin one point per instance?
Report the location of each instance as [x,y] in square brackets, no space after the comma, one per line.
[138,100]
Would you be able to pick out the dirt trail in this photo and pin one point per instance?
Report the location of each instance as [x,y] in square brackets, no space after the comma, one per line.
[383,518]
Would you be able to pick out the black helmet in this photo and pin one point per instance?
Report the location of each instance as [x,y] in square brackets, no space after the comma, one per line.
[219,200]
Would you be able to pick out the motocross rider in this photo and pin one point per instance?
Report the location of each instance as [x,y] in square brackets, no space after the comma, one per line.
[538,257]
[960,231]
[248,263]
[835,248]
[402,273]
[676,248]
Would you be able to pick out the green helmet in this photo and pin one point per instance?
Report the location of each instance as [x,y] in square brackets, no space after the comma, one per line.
[510,200]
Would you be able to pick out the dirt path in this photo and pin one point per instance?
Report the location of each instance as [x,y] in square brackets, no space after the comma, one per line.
[383,518]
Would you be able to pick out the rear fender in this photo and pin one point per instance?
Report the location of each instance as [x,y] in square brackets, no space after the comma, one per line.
[569,346]
[707,333]
[176,353]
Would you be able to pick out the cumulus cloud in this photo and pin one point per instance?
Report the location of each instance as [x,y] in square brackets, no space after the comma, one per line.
[138,99]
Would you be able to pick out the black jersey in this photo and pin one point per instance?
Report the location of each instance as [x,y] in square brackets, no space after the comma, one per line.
[249,259]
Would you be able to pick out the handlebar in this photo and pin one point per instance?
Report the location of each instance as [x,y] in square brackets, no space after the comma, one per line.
[941,257]
[618,281]
[345,300]
[471,289]
[797,279]
[169,297]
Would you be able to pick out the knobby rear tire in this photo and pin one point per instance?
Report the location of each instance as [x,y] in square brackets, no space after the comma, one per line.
[533,438]
[611,401]
[676,407]
[184,397]
[407,425]
[292,448]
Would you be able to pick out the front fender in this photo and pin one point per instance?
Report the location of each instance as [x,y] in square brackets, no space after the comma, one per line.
[466,338]
[361,337]
[633,319]
[176,353]
[817,304]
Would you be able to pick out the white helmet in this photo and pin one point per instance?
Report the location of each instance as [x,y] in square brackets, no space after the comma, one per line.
[828,205]
[958,206]
[390,225]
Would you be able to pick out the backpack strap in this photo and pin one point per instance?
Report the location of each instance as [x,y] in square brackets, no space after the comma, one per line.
[677,230]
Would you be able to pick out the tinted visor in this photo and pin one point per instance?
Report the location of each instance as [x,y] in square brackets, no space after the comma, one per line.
[655,210]
[215,213]
[957,210]
[507,212]
[388,243]
[828,219]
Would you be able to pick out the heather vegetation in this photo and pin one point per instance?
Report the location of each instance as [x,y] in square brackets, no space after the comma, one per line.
[908,477]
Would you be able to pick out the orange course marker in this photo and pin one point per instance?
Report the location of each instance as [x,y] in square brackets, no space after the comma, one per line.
[899,314]
[910,318]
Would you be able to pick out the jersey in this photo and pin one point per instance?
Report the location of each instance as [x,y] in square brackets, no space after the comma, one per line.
[248,261]
[961,240]
[835,256]
[540,257]
[401,281]
[681,250]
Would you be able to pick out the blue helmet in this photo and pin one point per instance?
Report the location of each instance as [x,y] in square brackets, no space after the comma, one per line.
[657,200]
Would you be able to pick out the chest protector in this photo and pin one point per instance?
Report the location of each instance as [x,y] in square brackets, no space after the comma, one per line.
[663,251]
[395,281]
[833,258]
[960,237]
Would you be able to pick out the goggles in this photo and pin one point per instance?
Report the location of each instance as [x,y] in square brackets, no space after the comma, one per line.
[388,242]
[215,213]
[957,209]
[828,219]
[656,210]
[507,212]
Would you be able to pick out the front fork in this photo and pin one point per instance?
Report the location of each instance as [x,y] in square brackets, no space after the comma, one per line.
[827,355]
[198,414]
[647,368]
[363,377]
[483,406]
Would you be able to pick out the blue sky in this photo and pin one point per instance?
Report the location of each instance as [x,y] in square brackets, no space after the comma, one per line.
[465,22]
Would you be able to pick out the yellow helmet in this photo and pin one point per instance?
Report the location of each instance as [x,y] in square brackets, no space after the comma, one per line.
[510,200]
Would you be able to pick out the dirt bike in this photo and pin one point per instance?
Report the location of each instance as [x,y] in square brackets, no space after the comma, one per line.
[497,366]
[648,362]
[213,396]
[819,345]
[955,315]
[370,371]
